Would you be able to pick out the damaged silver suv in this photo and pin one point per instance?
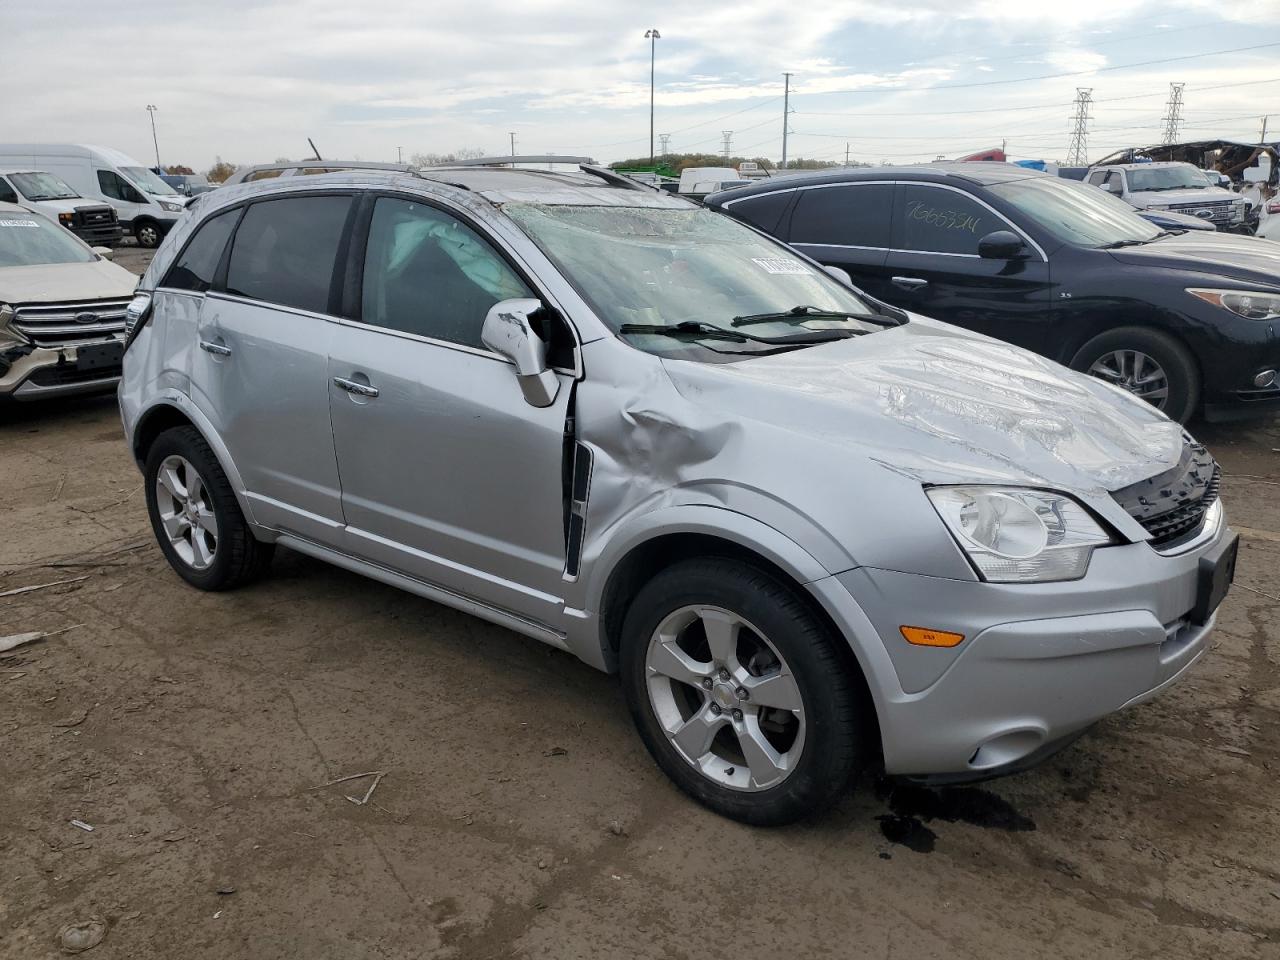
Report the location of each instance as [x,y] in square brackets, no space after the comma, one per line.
[807,529]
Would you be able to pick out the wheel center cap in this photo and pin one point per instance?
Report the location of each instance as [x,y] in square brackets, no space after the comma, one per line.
[722,694]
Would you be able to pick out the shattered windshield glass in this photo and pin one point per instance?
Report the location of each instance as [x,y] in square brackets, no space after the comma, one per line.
[692,283]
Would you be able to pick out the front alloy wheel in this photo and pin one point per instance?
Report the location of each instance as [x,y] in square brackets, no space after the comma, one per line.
[725,698]
[1136,372]
[740,691]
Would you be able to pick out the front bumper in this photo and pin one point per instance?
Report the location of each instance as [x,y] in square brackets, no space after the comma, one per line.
[38,373]
[1040,662]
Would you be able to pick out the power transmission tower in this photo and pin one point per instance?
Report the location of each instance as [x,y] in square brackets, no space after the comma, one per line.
[1078,148]
[728,142]
[666,143]
[786,116]
[1174,118]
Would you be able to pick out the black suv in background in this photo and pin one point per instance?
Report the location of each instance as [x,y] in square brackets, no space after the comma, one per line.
[1188,321]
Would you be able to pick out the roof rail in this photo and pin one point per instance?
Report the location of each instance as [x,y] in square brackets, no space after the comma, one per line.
[512,160]
[613,178]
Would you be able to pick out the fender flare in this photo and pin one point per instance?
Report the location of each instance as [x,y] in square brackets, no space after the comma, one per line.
[174,400]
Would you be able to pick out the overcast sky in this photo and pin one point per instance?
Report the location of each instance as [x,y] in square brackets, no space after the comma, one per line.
[250,81]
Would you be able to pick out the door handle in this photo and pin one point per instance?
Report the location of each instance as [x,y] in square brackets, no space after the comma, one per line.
[217,349]
[353,386]
[909,283]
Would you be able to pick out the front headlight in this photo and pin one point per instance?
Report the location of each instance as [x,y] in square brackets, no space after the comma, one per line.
[1017,535]
[170,206]
[1250,304]
[1159,206]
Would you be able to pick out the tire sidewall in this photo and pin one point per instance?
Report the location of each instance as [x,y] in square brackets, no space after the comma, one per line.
[810,785]
[181,442]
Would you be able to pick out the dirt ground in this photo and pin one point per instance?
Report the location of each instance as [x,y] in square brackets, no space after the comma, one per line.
[519,814]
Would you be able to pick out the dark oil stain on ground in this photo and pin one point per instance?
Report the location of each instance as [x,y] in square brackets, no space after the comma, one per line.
[914,805]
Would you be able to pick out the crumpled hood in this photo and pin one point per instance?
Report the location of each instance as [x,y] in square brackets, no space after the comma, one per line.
[1231,256]
[61,282]
[943,405]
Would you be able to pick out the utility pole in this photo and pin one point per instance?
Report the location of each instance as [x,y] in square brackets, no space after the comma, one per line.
[1262,137]
[1174,119]
[786,115]
[399,154]
[1078,148]
[728,142]
[151,109]
[512,135]
[666,143]
[653,36]
[846,153]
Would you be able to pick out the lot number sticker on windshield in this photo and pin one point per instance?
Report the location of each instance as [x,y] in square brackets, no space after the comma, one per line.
[780,265]
[18,223]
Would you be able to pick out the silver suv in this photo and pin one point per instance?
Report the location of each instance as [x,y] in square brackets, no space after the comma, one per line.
[809,530]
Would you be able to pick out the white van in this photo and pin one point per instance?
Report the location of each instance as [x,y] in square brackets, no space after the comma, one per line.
[146,206]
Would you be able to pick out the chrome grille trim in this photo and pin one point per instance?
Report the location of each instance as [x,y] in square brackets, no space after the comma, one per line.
[55,324]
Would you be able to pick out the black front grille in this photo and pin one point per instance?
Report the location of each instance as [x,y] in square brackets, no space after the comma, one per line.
[63,374]
[1171,506]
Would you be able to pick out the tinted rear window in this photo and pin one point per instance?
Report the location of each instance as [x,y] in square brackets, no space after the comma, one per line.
[854,215]
[194,270]
[284,251]
[765,211]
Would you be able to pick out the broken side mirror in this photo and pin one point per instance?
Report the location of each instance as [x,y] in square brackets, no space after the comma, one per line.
[1001,245]
[508,333]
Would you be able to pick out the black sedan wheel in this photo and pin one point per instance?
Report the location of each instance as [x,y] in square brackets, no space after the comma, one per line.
[1151,365]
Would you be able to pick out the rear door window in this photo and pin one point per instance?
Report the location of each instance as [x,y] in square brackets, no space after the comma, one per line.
[847,215]
[764,211]
[931,219]
[195,269]
[284,251]
[7,194]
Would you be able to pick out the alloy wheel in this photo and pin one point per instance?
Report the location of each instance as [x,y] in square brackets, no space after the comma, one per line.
[1136,372]
[186,513]
[725,698]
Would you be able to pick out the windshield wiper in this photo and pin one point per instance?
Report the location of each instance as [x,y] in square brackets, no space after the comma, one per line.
[1117,244]
[803,312]
[696,328]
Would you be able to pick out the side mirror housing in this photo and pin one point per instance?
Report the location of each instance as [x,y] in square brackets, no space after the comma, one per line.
[840,274]
[1001,245]
[106,253]
[508,333]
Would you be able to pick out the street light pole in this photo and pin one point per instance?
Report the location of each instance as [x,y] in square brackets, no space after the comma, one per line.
[653,36]
[151,109]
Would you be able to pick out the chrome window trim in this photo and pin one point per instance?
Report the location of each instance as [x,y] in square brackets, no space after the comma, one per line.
[924,183]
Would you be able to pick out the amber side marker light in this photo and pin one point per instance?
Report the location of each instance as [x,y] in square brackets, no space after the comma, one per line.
[924,637]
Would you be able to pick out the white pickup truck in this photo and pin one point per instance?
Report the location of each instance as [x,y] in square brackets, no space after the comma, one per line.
[1178,187]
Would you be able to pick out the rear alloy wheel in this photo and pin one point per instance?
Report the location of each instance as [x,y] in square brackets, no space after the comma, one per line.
[195,515]
[1150,364]
[740,693]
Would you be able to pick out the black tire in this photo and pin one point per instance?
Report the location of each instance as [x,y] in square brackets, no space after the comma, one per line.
[836,729]
[1181,373]
[147,233]
[238,556]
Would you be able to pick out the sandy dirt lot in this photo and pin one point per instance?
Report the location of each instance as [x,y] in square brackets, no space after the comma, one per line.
[519,815]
